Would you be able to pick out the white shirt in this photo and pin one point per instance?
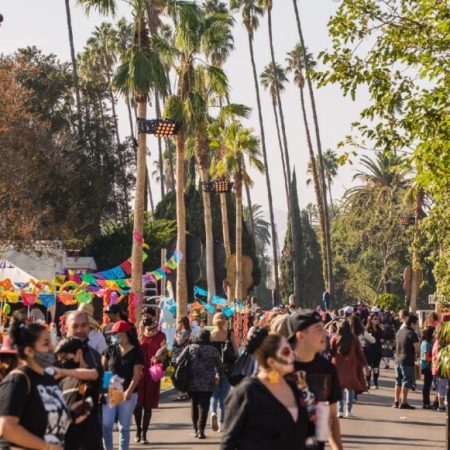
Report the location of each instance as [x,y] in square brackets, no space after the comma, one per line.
[97,341]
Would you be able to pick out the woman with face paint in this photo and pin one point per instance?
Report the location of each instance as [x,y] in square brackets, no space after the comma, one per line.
[33,413]
[264,412]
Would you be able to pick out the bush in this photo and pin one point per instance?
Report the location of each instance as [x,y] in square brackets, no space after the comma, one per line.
[390,301]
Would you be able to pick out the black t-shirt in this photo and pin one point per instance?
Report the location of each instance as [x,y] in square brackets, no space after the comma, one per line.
[123,365]
[322,379]
[38,403]
[405,353]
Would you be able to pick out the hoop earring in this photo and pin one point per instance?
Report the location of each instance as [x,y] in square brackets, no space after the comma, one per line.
[274,376]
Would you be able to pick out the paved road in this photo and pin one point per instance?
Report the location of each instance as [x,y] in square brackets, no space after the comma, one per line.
[376,424]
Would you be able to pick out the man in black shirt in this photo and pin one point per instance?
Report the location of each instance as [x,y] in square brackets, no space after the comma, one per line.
[308,337]
[88,432]
[406,350]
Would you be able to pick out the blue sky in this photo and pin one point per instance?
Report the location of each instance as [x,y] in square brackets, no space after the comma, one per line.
[44,25]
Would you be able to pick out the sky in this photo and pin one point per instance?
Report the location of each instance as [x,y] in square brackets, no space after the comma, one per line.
[44,25]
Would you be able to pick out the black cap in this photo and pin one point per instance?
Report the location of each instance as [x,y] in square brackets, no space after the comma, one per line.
[114,308]
[301,320]
[70,345]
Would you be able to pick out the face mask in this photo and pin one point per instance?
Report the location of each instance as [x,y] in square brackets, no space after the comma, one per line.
[45,359]
[115,340]
[70,364]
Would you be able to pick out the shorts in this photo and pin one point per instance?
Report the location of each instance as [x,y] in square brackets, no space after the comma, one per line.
[405,376]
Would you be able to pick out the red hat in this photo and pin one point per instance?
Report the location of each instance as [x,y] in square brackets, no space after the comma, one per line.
[120,326]
[6,348]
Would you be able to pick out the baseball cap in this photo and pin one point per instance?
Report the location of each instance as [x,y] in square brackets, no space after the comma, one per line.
[113,309]
[120,326]
[301,320]
[70,345]
[348,310]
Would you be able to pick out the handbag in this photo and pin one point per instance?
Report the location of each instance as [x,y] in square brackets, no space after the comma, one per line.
[243,367]
[182,376]
[228,354]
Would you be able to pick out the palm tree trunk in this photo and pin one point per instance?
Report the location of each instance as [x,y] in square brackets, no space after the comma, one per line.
[416,272]
[171,165]
[160,152]
[331,198]
[138,225]
[74,66]
[316,184]
[295,249]
[225,224]
[239,287]
[266,165]
[130,117]
[280,144]
[209,238]
[330,281]
[181,285]
[148,190]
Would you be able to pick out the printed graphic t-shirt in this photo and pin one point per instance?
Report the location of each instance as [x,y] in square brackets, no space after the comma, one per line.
[39,404]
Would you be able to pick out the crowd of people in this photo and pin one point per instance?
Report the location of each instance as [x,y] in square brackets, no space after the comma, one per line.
[284,385]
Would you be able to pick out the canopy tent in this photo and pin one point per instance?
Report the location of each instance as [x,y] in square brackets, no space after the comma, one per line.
[14,273]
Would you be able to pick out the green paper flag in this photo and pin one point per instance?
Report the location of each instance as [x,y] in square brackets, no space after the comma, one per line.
[144,256]
[84,297]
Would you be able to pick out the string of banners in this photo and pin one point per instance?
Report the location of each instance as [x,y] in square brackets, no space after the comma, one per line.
[71,289]
[218,304]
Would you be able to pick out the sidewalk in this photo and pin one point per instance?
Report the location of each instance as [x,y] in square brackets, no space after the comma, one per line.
[376,424]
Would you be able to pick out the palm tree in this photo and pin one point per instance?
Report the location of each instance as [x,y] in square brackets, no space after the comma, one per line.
[331,168]
[139,72]
[194,34]
[296,65]
[330,283]
[74,65]
[251,12]
[261,227]
[240,142]
[270,77]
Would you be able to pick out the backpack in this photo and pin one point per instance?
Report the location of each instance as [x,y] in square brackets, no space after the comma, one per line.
[182,375]
[228,353]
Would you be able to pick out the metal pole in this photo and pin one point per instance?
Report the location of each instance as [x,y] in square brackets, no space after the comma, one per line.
[447,422]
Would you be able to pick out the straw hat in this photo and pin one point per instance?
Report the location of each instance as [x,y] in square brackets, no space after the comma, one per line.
[88,308]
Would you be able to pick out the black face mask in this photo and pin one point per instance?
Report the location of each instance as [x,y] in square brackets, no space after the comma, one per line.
[70,364]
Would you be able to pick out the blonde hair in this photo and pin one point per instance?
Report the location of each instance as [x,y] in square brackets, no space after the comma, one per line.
[220,321]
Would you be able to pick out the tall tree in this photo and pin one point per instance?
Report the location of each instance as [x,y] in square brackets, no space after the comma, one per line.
[270,77]
[74,64]
[329,262]
[296,65]
[251,12]
[140,71]
[239,143]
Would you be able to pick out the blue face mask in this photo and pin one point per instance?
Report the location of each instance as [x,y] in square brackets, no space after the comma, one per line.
[115,339]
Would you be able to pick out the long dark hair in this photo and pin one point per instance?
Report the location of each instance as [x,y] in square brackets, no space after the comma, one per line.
[370,327]
[185,322]
[345,338]
[356,325]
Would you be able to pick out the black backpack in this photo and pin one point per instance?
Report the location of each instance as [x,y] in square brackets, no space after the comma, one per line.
[228,353]
[182,375]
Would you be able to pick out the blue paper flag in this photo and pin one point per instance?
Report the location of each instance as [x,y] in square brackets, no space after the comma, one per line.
[199,291]
[228,311]
[216,300]
[210,308]
[47,299]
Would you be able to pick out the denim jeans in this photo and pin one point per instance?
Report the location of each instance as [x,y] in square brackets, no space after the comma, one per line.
[219,396]
[125,412]
[348,395]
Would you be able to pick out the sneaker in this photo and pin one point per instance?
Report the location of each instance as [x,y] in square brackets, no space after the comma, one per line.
[201,435]
[221,427]
[195,434]
[406,406]
[395,405]
[349,414]
[441,408]
[214,422]
[340,415]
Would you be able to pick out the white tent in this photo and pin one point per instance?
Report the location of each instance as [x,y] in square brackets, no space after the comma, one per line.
[14,273]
